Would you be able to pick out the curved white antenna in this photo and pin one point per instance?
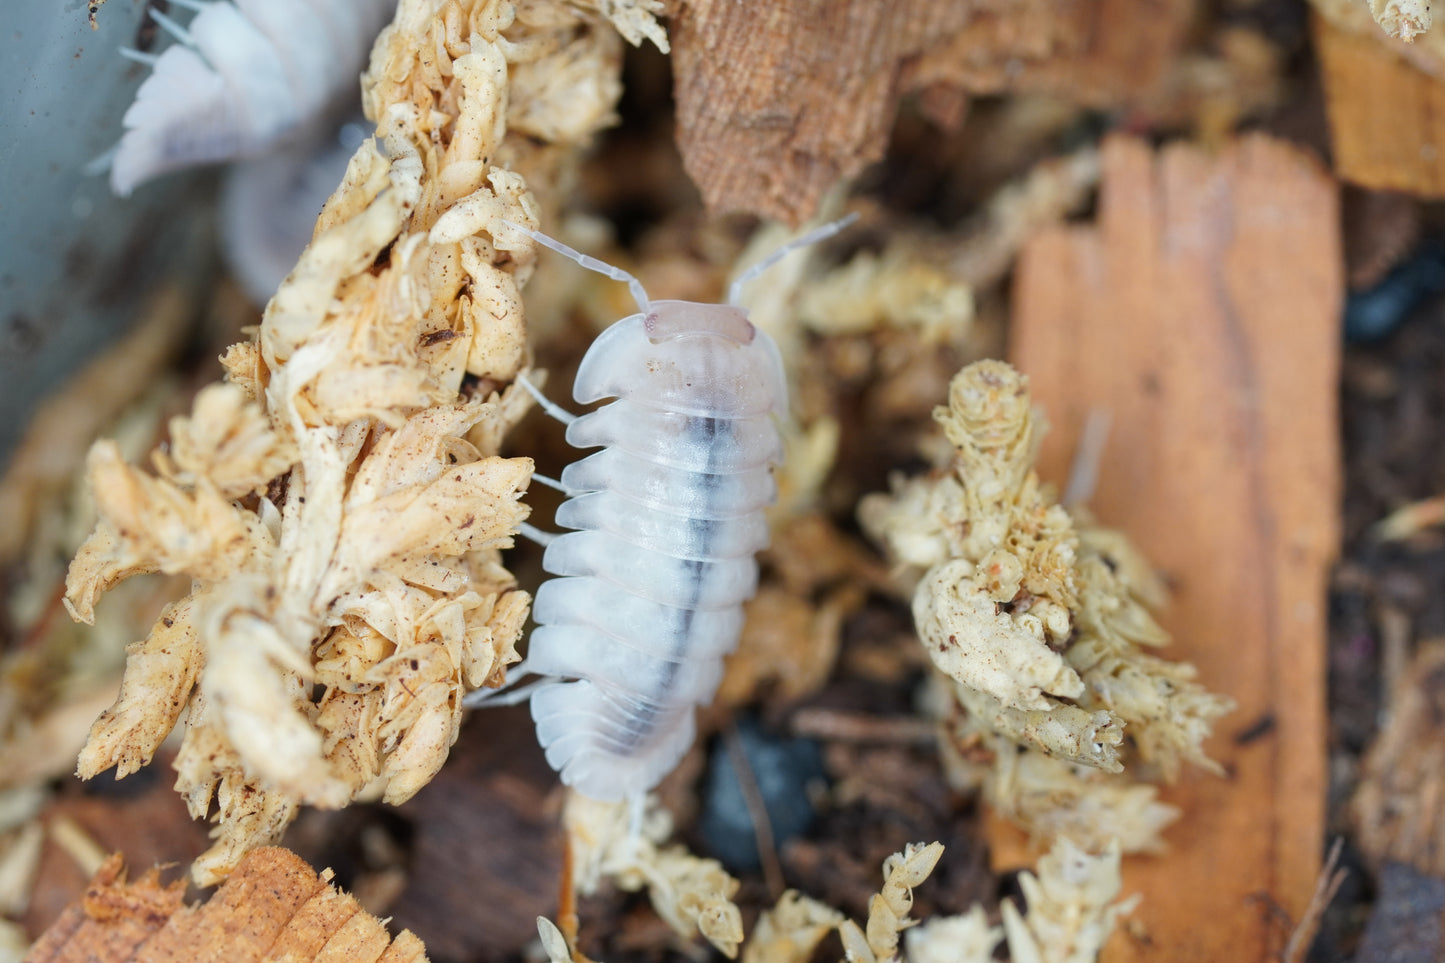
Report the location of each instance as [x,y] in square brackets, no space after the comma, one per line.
[735,290]
[590,263]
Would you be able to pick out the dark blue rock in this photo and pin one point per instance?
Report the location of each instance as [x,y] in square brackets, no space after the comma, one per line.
[783,768]
[1373,314]
[1404,925]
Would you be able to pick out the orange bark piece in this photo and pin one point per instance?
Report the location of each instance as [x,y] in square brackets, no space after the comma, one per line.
[111,919]
[406,948]
[245,917]
[307,932]
[1202,313]
[1387,117]
[273,907]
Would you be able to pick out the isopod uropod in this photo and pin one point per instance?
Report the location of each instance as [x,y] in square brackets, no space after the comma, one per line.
[665,521]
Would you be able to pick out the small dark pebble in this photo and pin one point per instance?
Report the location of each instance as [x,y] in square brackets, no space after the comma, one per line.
[1372,314]
[783,768]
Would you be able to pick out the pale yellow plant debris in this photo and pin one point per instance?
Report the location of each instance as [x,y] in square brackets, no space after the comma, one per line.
[554,944]
[636,20]
[893,288]
[41,467]
[19,862]
[1039,617]
[14,944]
[1050,191]
[339,505]
[1050,797]
[888,910]
[1071,908]
[83,849]
[1405,19]
[966,938]
[1398,807]
[1425,51]
[694,895]
[791,930]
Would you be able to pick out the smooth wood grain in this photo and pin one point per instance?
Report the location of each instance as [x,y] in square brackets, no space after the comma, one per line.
[1202,312]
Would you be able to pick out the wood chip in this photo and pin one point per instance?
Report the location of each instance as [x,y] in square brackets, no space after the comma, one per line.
[1399,807]
[1387,116]
[274,906]
[776,107]
[1202,312]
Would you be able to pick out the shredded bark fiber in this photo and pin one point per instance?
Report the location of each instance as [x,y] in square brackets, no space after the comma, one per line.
[772,113]
[273,907]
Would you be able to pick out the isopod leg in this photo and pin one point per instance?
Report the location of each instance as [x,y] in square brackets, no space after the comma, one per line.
[552,483]
[507,694]
[534,534]
[555,410]
[173,28]
[636,809]
[136,56]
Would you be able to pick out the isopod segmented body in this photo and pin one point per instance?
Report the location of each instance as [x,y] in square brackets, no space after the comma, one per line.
[667,518]
[665,521]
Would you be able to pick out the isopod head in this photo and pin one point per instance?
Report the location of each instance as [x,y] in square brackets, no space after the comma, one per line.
[686,357]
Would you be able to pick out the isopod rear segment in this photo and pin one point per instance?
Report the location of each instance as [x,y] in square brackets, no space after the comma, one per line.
[665,521]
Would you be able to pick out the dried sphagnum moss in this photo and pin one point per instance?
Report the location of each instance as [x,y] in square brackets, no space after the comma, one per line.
[1039,620]
[339,505]
[1071,903]
[693,894]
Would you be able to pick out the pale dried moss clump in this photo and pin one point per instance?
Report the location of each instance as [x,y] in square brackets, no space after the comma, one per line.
[338,504]
[1072,905]
[694,895]
[1040,622]
[1406,19]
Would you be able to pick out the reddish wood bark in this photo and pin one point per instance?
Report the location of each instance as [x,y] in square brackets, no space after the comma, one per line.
[1202,312]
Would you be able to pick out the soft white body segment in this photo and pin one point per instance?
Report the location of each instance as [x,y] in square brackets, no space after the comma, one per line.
[666,519]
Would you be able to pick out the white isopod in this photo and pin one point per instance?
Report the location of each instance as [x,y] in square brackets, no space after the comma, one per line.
[666,519]
[244,76]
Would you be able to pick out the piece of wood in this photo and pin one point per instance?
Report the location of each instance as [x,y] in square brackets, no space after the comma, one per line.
[1096,52]
[1398,809]
[1387,116]
[778,104]
[273,907]
[141,816]
[1202,313]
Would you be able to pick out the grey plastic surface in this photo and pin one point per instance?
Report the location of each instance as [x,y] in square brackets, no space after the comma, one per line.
[76,262]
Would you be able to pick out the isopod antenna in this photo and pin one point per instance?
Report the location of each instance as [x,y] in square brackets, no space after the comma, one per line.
[590,263]
[735,290]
